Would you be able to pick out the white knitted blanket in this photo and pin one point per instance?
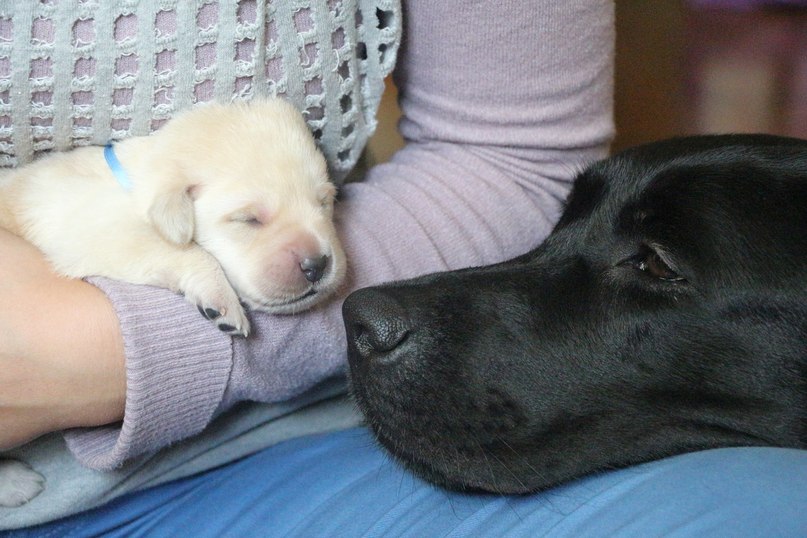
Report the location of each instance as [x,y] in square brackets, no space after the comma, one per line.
[81,72]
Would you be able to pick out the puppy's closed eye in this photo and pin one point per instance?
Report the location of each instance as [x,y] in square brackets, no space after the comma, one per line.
[249,218]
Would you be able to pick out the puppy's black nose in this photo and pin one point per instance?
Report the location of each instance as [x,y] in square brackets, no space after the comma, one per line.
[314,268]
[375,322]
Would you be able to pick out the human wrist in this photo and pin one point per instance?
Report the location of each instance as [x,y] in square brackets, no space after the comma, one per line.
[177,365]
[75,358]
[93,388]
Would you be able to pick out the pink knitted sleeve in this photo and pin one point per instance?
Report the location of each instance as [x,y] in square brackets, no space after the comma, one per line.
[502,102]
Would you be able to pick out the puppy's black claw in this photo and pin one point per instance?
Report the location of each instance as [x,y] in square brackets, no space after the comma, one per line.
[209,313]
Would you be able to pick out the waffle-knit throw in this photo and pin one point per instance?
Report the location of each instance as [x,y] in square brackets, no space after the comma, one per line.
[81,72]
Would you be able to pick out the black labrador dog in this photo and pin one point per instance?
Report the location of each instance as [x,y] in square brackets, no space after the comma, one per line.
[666,313]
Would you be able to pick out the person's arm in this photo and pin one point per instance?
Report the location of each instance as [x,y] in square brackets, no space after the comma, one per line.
[61,358]
[502,102]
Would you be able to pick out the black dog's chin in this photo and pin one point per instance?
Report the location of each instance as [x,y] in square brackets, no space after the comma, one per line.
[455,461]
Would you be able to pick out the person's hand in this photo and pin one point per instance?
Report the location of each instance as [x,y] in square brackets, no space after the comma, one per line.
[61,352]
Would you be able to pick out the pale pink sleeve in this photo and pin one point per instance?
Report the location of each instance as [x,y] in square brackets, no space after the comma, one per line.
[503,102]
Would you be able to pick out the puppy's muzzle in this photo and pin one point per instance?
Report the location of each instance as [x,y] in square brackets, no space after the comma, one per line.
[377,325]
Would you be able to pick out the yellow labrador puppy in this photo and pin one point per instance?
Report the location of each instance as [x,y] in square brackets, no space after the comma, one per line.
[227,204]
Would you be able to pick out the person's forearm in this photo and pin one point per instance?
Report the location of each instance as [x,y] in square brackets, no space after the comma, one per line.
[433,208]
[61,352]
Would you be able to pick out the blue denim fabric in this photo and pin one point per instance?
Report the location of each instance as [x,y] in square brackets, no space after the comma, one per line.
[341,485]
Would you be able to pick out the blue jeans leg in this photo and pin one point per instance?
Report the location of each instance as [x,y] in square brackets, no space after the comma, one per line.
[341,485]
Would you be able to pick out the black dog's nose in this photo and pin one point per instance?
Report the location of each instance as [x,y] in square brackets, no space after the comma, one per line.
[314,268]
[375,322]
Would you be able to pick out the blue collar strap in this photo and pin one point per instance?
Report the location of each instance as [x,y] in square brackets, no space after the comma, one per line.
[116,167]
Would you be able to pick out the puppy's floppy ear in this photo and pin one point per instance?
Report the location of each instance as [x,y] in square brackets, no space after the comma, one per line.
[171,213]
[326,193]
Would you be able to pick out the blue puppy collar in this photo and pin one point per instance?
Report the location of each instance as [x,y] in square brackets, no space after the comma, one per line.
[116,167]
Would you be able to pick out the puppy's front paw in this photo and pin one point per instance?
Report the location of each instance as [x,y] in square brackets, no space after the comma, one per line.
[218,302]
[18,483]
[222,322]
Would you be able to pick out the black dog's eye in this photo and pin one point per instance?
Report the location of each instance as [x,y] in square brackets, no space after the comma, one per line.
[650,262]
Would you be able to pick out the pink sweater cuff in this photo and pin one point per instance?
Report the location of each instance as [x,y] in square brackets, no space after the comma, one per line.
[173,389]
